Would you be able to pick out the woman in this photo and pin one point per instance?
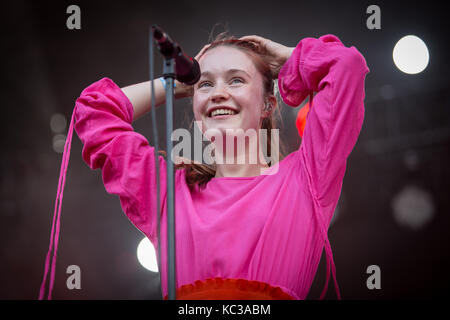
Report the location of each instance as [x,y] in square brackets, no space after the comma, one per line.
[243,231]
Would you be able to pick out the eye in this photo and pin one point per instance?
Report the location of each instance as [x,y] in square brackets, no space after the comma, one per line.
[238,79]
[202,83]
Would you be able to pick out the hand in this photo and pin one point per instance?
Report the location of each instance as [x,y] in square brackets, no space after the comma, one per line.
[277,53]
[183,90]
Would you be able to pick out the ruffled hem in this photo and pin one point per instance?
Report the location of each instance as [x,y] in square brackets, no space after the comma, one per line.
[230,289]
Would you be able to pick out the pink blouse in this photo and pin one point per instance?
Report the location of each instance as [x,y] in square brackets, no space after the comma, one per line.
[269,228]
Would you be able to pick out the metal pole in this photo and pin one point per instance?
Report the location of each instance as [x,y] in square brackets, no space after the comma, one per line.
[169,76]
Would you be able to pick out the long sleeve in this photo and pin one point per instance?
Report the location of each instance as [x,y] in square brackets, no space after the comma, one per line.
[103,122]
[337,74]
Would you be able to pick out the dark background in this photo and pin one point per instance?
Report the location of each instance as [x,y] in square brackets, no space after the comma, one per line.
[404,141]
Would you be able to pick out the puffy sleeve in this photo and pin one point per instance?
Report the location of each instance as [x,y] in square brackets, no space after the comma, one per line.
[333,124]
[103,116]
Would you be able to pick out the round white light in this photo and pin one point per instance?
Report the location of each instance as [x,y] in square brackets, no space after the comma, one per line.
[146,255]
[411,55]
[58,123]
[59,142]
[387,92]
[413,207]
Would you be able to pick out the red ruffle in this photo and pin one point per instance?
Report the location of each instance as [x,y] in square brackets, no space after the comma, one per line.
[230,289]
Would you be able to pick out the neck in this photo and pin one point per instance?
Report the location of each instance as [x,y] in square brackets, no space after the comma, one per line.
[227,170]
[240,165]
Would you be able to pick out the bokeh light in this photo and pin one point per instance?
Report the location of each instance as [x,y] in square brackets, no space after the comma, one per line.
[411,55]
[147,255]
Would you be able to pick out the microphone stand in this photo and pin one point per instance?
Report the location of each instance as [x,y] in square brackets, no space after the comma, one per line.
[169,76]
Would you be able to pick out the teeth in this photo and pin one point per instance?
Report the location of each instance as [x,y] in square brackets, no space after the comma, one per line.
[222,111]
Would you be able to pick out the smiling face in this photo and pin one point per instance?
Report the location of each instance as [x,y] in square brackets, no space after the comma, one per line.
[229,80]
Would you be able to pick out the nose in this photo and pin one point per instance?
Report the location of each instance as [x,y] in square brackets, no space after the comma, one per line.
[219,93]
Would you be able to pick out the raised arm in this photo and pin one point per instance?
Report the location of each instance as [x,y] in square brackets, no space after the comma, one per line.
[337,74]
[140,95]
[103,116]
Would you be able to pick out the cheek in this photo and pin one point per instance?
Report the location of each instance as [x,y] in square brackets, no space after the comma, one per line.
[198,116]
[251,97]
[250,104]
[199,98]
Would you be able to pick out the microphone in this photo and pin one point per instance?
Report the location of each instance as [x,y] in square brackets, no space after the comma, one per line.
[187,69]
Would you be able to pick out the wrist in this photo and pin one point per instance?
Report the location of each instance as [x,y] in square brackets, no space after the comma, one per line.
[284,56]
[288,53]
[182,90]
[163,81]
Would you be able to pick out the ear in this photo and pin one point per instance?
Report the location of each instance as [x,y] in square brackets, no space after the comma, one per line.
[271,101]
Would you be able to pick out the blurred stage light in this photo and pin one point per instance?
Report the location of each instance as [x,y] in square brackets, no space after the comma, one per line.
[147,255]
[59,141]
[58,123]
[411,160]
[413,207]
[411,55]
[387,92]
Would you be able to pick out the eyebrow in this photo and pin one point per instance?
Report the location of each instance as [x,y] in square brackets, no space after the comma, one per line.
[230,71]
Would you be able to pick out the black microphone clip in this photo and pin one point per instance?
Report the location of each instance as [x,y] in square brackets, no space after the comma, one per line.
[187,69]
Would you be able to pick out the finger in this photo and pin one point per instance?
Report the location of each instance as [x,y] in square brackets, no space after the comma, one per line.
[253,38]
[259,42]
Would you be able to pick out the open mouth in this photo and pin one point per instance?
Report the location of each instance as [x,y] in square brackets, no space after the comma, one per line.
[222,113]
